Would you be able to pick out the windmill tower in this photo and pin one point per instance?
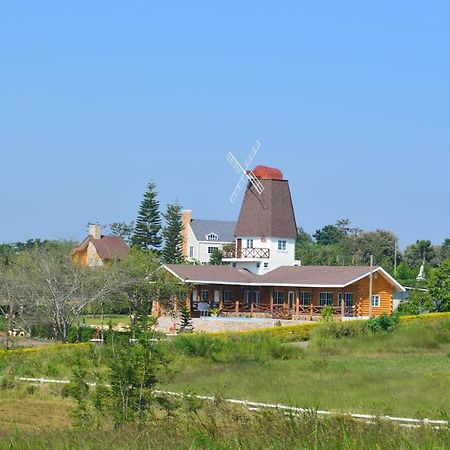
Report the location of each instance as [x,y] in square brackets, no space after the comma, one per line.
[266,229]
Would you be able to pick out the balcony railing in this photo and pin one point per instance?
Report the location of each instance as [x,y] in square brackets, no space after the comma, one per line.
[263,253]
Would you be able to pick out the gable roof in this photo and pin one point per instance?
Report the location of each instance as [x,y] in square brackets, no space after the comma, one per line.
[223,228]
[274,216]
[108,247]
[295,276]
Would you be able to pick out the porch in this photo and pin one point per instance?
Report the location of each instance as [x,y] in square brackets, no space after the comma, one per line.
[275,303]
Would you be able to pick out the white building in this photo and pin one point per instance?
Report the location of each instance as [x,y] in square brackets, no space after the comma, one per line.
[203,237]
[266,230]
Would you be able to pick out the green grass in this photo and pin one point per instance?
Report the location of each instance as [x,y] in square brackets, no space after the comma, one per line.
[115,319]
[406,373]
[39,418]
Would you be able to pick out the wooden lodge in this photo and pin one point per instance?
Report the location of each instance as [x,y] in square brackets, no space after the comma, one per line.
[288,292]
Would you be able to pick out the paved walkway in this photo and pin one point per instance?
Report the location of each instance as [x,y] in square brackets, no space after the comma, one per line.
[208,324]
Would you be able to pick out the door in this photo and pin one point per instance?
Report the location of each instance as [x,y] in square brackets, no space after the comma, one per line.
[216,296]
[291,299]
[238,248]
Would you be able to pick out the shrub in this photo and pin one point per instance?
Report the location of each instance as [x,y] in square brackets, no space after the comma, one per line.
[384,322]
[418,302]
[338,330]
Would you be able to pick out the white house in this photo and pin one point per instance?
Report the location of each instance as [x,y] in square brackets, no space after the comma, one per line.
[203,237]
[266,229]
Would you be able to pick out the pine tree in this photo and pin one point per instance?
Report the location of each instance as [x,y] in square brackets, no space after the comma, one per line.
[173,235]
[147,230]
[186,325]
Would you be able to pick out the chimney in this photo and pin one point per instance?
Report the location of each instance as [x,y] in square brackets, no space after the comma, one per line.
[95,230]
[186,217]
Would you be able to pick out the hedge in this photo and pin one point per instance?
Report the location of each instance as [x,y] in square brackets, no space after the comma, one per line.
[426,317]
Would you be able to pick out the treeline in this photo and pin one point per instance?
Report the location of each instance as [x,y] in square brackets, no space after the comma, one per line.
[342,244]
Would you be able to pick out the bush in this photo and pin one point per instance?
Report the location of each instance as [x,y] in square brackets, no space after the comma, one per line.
[338,330]
[418,302]
[86,334]
[425,317]
[384,322]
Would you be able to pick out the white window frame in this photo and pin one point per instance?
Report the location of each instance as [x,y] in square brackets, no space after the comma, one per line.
[191,251]
[212,237]
[302,298]
[346,296]
[327,299]
[211,250]
[249,243]
[205,298]
[266,265]
[282,245]
[376,301]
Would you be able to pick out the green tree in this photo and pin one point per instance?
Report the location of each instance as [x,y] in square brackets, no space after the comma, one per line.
[173,235]
[122,229]
[329,234]
[147,230]
[216,257]
[186,325]
[379,243]
[439,286]
[445,250]
[421,251]
[418,302]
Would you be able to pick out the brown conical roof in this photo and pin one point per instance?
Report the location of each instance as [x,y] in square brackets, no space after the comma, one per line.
[268,214]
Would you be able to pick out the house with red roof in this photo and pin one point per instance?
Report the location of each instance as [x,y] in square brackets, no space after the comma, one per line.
[261,276]
[98,250]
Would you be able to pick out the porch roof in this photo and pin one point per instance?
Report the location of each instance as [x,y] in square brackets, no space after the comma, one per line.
[289,276]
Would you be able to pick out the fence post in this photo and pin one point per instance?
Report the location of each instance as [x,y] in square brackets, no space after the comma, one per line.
[251,310]
[311,311]
[271,303]
[343,307]
[297,306]
[236,308]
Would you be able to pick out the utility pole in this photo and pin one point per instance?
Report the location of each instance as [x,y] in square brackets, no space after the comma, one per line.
[370,286]
[395,260]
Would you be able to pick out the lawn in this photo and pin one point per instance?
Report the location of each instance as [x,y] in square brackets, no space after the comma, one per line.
[114,319]
[405,373]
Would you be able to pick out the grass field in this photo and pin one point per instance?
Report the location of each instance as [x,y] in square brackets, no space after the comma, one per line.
[114,319]
[404,373]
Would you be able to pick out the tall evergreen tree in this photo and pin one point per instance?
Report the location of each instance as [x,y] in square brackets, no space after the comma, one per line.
[147,230]
[173,234]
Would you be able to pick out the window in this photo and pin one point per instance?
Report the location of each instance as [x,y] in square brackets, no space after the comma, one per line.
[252,297]
[266,265]
[348,299]
[325,298]
[212,237]
[233,264]
[278,297]
[249,243]
[191,251]
[258,265]
[212,249]
[227,296]
[376,301]
[305,298]
[205,296]
[282,246]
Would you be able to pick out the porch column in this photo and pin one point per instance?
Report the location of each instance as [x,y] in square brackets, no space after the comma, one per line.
[236,307]
[297,305]
[342,306]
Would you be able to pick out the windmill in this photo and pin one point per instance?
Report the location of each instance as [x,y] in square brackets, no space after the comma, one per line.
[246,175]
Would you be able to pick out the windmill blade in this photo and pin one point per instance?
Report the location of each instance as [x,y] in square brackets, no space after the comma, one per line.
[252,153]
[235,163]
[255,182]
[237,189]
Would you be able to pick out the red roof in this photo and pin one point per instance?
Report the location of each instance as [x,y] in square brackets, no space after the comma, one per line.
[108,247]
[267,173]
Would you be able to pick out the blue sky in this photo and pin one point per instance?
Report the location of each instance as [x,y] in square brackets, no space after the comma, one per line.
[350,99]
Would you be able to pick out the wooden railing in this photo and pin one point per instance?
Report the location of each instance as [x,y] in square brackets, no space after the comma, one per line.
[262,253]
[308,312]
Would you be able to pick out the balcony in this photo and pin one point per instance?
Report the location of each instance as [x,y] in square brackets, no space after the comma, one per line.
[257,253]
